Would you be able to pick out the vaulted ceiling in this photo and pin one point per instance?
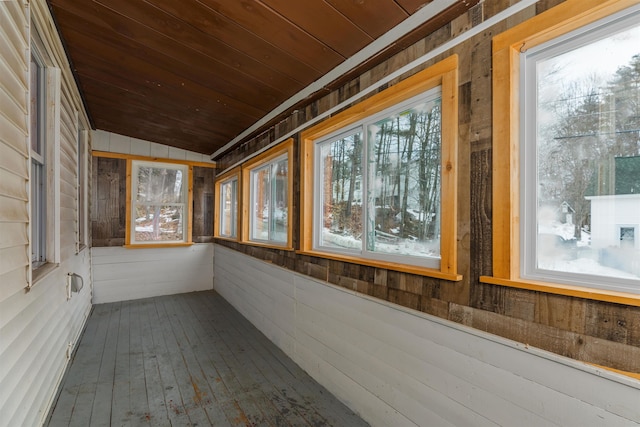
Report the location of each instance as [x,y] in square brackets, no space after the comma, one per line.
[195,74]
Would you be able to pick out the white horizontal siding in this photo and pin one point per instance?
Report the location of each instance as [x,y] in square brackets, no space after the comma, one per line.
[36,327]
[121,274]
[395,366]
[264,295]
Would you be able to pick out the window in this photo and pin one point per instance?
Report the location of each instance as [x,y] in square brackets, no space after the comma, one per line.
[567,158]
[81,189]
[38,180]
[380,180]
[44,151]
[267,184]
[160,200]
[227,205]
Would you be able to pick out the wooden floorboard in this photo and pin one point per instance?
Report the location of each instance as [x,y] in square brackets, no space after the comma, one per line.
[186,360]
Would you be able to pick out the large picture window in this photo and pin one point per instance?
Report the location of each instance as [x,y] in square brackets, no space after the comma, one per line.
[227,205]
[159,203]
[567,158]
[267,183]
[377,192]
[397,155]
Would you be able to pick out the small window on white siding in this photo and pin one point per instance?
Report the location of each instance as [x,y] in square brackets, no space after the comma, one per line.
[81,209]
[38,180]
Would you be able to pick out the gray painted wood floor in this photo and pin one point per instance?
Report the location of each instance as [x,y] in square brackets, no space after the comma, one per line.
[186,360]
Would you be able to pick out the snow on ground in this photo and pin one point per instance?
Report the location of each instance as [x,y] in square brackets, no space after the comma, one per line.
[566,231]
[583,266]
[402,247]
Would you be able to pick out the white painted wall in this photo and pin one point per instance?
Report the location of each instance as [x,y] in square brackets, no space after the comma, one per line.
[398,367]
[121,274]
[115,143]
[36,326]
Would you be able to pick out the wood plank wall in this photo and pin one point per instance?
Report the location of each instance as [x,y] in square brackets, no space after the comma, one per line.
[108,202]
[399,367]
[38,328]
[591,331]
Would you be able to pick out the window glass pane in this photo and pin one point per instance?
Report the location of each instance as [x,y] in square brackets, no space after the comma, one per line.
[159,223]
[587,137]
[261,196]
[404,182]
[81,188]
[229,208]
[38,214]
[38,182]
[279,201]
[270,202]
[160,185]
[341,195]
[159,206]
[36,112]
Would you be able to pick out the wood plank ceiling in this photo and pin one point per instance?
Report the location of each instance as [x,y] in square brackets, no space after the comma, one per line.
[194,74]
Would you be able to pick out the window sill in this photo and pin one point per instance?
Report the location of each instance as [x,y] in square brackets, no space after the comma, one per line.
[41,273]
[267,245]
[405,268]
[158,245]
[228,239]
[568,290]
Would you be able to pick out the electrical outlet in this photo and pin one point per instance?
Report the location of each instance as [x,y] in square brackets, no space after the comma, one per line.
[69,350]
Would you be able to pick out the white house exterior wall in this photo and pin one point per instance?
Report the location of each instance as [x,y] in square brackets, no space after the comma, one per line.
[38,327]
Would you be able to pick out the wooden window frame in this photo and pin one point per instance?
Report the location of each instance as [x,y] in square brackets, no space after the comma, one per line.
[443,74]
[234,174]
[507,46]
[187,215]
[260,160]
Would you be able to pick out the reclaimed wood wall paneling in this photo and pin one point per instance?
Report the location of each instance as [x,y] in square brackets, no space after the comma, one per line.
[556,323]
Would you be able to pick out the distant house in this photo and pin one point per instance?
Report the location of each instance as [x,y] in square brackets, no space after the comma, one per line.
[566,213]
[615,215]
[615,221]
[615,218]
